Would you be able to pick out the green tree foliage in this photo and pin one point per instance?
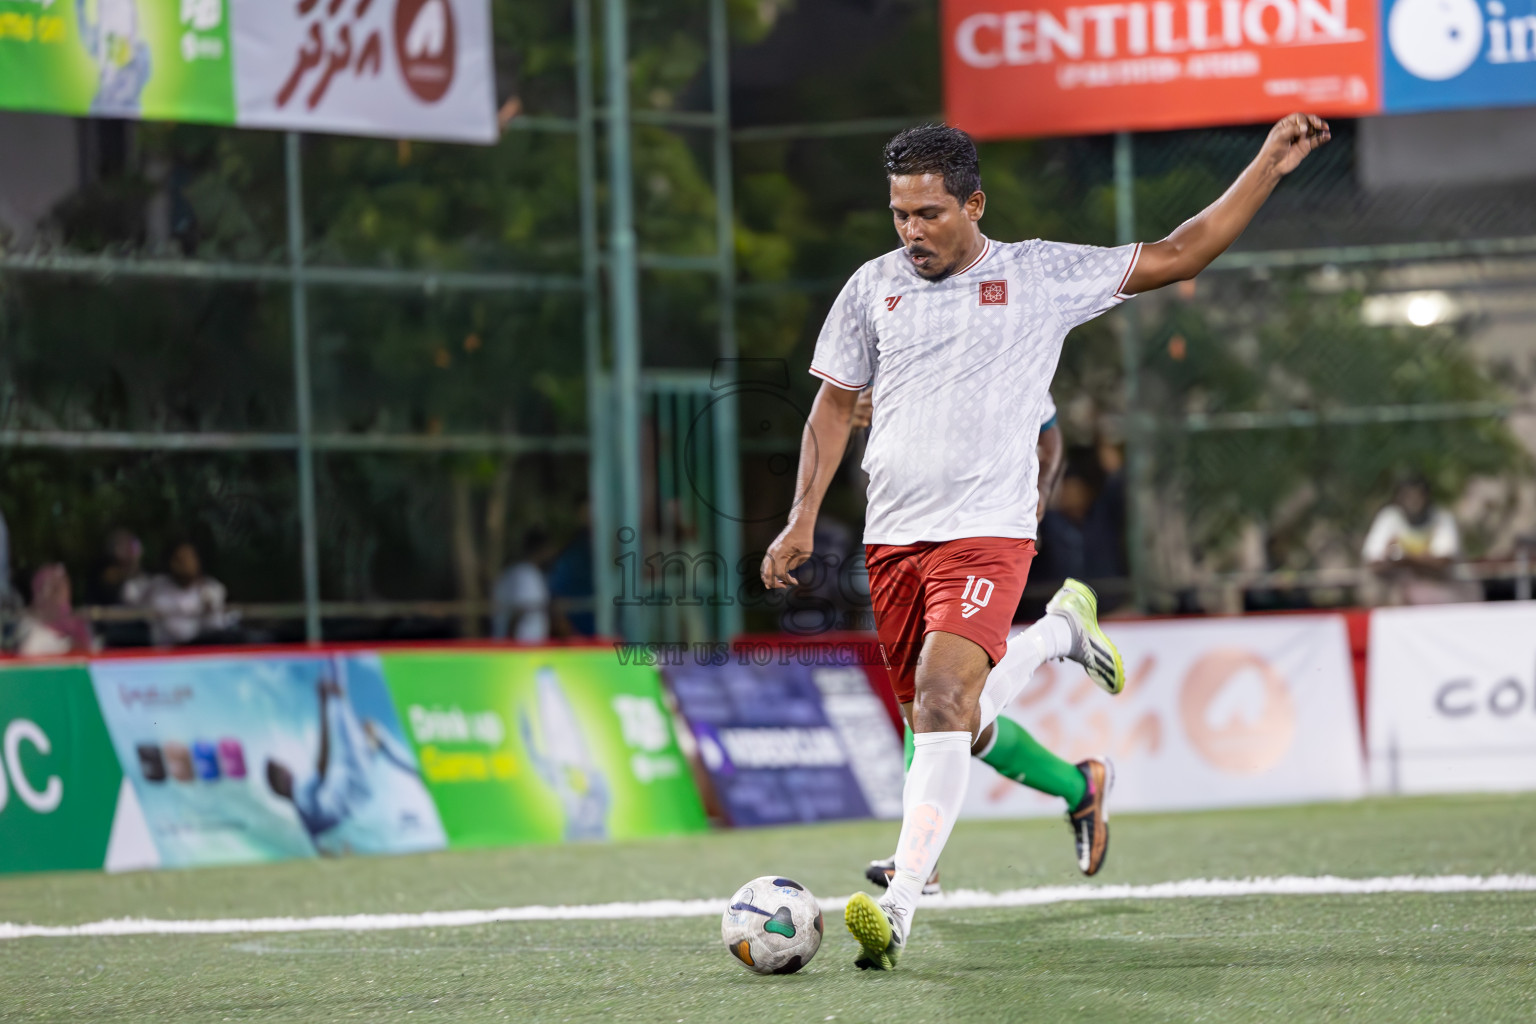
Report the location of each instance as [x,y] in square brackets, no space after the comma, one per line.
[85,354]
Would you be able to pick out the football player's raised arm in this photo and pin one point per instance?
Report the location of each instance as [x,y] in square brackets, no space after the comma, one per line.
[822,444]
[1197,242]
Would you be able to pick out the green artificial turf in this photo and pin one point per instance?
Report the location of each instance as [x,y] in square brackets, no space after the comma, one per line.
[1391,957]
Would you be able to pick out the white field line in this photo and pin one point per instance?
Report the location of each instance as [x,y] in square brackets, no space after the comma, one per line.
[961,899]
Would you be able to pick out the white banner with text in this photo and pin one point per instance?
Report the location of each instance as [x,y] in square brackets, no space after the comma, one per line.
[1215,713]
[1452,700]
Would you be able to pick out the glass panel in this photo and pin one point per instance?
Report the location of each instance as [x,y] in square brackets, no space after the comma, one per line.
[1333,198]
[170,191]
[438,528]
[511,206]
[1395,370]
[77,353]
[454,362]
[239,509]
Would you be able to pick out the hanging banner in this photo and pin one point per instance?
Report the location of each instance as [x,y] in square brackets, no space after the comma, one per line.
[1058,67]
[244,759]
[784,742]
[1452,700]
[395,68]
[544,746]
[1222,713]
[59,783]
[1450,54]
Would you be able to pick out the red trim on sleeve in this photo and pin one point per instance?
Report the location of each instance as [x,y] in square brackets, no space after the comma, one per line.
[1135,257]
[840,383]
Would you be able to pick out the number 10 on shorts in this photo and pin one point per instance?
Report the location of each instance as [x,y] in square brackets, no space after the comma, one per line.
[975,596]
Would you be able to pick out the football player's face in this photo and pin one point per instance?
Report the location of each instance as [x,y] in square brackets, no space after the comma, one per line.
[938,232]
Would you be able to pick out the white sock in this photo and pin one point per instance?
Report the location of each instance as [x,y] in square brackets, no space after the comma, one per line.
[935,791]
[1049,638]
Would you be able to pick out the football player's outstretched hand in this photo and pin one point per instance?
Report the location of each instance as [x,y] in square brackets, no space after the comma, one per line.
[1293,138]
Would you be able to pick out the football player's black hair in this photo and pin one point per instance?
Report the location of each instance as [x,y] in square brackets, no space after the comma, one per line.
[937,149]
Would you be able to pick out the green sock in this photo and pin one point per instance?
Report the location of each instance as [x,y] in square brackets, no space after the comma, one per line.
[1019,756]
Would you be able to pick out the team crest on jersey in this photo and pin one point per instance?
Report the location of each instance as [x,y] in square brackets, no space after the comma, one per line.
[890,303]
[994,293]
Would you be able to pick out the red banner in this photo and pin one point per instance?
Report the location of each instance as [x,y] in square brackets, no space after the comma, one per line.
[1055,67]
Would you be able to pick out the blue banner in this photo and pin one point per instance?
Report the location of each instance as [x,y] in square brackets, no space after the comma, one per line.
[1453,54]
[236,759]
[786,743]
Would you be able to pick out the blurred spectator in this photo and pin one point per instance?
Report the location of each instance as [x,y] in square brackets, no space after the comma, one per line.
[1414,545]
[119,577]
[570,580]
[186,606]
[1082,534]
[821,602]
[50,625]
[520,598]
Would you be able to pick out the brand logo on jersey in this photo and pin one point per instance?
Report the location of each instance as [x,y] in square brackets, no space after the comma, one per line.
[890,302]
[994,293]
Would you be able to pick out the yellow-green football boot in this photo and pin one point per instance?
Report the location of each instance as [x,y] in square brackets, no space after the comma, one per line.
[880,939]
[1079,605]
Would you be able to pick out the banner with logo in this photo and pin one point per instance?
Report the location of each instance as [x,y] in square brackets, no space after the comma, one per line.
[59,782]
[1451,705]
[241,759]
[544,746]
[1060,67]
[786,742]
[1219,713]
[1452,54]
[396,68]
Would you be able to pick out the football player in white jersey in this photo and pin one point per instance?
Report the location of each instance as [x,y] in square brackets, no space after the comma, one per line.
[965,334]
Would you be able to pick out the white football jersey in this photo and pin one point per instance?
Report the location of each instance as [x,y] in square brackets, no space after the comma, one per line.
[962,369]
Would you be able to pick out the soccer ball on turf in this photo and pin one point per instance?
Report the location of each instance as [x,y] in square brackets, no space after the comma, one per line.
[772,925]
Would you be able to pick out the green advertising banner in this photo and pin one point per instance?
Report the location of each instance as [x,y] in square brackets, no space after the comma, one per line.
[402,69]
[59,778]
[543,746]
[161,59]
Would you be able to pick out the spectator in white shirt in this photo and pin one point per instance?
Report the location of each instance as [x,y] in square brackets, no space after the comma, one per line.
[520,599]
[185,605]
[1414,545]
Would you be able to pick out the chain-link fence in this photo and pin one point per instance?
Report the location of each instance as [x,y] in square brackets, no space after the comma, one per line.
[358,372]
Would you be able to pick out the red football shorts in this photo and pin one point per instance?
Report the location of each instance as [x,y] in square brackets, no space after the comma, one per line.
[969,587]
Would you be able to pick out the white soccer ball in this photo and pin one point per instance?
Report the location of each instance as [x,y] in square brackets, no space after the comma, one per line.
[772,925]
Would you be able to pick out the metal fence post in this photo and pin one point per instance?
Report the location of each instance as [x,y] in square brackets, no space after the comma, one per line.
[1136,431]
[308,532]
[727,459]
[600,454]
[623,269]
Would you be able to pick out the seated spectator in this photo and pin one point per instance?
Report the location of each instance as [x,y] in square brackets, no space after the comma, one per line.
[186,606]
[119,577]
[520,598]
[570,583]
[50,625]
[1414,545]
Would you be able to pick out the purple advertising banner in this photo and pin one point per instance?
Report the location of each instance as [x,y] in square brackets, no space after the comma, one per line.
[788,743]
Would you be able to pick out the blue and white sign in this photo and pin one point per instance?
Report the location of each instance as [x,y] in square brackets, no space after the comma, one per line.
[785,743]
[1454,54]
